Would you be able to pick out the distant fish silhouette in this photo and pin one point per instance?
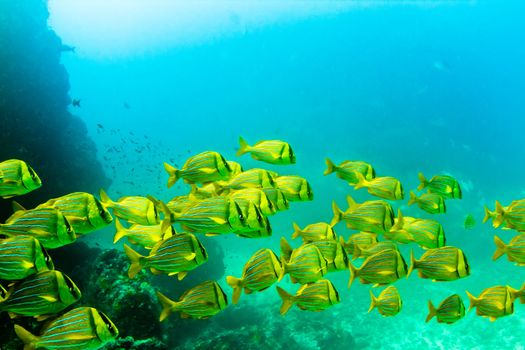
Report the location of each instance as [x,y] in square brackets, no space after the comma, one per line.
[441,66]
[67,48]
[126,105]
[75,103]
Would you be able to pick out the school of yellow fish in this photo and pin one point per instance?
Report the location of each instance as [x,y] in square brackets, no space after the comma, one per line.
[224,199]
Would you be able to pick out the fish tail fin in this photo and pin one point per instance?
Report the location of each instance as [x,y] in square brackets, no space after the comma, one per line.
[27,337]
[488,214]
[431,311]
[286,249]
[500,215]
[283,270]
[104,198]
[522,292]
[500,248]
[287,298]
[167,306]
[236,284]
[296,231]
[357,252]
[373,302]
[136,261]
[338,214]
[353,274]
[174,174]
[330,167]
[413,198]
[361,181]
[244,147]
[423,181]
[412,263]
[3,293]
[121,231]
[472,299]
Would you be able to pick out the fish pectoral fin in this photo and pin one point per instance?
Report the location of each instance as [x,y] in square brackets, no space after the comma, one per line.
[76,219]
[49,298]
[220,221]
[28,265]
[384,273]
[211,234]
[12,315]
[190,257]
[181,275]
[80,337]
[207,170]
[184,315]
[155,271]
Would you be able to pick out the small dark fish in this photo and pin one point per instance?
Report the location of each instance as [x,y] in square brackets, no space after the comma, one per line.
[76,103]
[67,48]
[126,105]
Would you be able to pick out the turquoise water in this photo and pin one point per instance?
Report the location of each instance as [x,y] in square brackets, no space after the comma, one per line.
[407,87]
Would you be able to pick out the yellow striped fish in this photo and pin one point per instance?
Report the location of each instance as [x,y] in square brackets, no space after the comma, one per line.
[314,232]
[515,250]
[449,310]
[373,249]
[17,178]
[252,178]
[427,233]
[388,303]
[260,272]
[277,198]
[175,255]
[83,328]
[204,167]
[255,195]
[143,235]
[134,209]
[235,168]
[201,301]
[40,295]
[347,170]
[48,225]
[205,191]
[212,216]
[22,256]
[362,239]
[441,264]
[384,267]
[305,264]
[386,187]
[333,252]
[444,185]
[369,216]
[83,211]
[269,151]
[179,204]
[315,296]
[512,216]
[430,202]
[257,225]
[493,302]
[294,188]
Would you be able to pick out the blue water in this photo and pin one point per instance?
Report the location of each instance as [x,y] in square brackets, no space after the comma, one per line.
[406,87]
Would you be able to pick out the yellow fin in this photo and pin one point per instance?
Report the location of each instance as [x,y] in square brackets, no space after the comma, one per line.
[220,221]
[190,257]
[48,298]
[181,275]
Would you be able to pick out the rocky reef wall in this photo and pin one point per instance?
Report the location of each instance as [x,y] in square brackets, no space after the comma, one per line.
[35,124]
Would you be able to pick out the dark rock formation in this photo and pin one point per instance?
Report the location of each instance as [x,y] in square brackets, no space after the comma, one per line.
[35,124]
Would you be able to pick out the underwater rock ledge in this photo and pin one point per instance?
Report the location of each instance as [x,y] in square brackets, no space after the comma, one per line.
[35,124]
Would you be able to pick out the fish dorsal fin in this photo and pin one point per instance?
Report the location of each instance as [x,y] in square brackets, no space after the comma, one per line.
[155,247]
[17,206]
